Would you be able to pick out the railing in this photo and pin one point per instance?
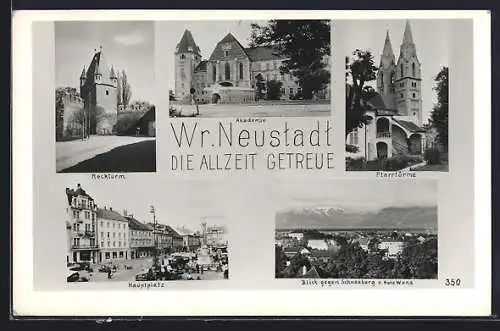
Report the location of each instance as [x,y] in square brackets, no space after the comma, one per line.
[83,246]
[385,134]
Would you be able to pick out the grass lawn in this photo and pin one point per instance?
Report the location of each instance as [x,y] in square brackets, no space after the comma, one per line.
[138,157]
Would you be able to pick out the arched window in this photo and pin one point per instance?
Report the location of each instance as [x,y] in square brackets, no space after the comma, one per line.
[241,71]
[183,56]
[214,73]
[413,69]
[402,73]
[227,71]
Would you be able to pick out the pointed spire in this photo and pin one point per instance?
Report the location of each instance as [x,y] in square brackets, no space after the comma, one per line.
[187,44]
[407,38]
[387,46]
[84,73]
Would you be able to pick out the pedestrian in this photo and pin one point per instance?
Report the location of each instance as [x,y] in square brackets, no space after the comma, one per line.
[109,273]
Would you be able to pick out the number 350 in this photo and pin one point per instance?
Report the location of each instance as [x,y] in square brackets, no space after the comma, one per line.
[452,282]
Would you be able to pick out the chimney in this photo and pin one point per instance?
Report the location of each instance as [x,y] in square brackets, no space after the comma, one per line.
[110,209]
[125,212]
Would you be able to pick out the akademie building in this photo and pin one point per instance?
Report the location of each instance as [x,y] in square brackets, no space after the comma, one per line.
[231,72]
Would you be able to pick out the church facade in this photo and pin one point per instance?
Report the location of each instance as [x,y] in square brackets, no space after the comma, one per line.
[395,114]
[98,90]
[231,74]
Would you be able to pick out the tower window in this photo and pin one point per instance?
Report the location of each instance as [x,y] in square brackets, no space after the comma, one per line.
[413,95]
[413,69]
[241,71]
[214,73]
[183,56]
[402,73]
[107,92]
[227,71]
[401,95]
[226,53]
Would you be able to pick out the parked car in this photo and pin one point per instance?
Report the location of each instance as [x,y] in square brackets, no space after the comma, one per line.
[143,275]
[73,277]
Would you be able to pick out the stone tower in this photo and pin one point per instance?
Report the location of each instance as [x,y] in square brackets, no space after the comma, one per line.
[386,75]
[98,88]
[187,58]
[408,80]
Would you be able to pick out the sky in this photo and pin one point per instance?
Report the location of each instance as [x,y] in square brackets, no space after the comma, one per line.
[183,203]
[359,195]
[206,35]
[431,37]
[126,45]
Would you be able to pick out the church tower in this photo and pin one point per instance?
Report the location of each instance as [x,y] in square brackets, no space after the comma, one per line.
[408,80]
[187,58]
[386,75]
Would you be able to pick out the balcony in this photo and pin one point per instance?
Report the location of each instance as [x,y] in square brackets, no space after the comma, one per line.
[84,246]
[385,134]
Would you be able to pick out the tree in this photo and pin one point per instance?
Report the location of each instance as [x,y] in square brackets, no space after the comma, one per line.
[304,44]
[359,70]
[124,90]
[439,114]
[260,86]
[274,90]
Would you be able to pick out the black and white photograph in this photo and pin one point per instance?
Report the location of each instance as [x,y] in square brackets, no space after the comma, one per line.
[119,237]
[272,68]
[358,229]
[397,95]
[104,96]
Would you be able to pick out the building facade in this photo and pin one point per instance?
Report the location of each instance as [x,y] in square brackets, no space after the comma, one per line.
[394,115]
[98,90]
[232,74]
[113,236]
[216,235]
[140,237]
[81,227]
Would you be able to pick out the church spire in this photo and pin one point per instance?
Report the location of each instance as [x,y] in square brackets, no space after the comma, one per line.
[407,38]
[387,57]
[84,74]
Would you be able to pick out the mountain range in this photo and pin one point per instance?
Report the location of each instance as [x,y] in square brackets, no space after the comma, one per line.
[416,217]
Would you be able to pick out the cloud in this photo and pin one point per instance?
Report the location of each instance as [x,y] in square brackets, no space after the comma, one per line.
[130,39]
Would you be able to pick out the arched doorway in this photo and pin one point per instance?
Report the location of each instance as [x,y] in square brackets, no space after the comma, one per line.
[381,150]
[415,144]
[215,98]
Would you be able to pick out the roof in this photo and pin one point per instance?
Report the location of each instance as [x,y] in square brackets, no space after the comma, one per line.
[377,102]
[387,57]
[99,65]
[263,53]
[234,49]
[410,126]
[134,224]
[75,193]
[109,214]
[184,231]
[202,66]
[312,273]
[187,44]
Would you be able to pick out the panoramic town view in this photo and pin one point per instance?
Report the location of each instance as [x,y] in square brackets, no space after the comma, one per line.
[382,233]
[105,244]
[244,68]
[104,115]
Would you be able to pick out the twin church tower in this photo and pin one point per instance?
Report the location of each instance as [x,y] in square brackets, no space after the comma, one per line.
[399,83]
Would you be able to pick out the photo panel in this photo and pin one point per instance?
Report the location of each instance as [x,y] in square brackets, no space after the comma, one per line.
[104,96]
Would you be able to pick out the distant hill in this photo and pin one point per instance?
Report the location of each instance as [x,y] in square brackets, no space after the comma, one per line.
[331,218]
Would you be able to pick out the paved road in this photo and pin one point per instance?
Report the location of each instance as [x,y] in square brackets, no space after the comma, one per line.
[69,153]
[282,110]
